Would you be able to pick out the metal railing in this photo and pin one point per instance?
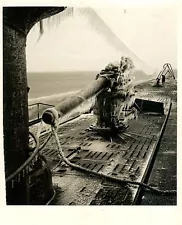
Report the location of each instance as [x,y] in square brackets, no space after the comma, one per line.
[35,112]
[167,68]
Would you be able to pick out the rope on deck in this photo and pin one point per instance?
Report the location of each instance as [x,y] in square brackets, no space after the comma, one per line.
[24,168]
[115,179]
[54,132]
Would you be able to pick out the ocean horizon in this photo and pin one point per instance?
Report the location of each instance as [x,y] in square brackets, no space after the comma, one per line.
[44,84]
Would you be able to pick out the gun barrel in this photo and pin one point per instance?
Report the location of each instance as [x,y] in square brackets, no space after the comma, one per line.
[72,102]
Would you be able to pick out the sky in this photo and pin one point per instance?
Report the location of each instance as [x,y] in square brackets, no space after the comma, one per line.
[80,42]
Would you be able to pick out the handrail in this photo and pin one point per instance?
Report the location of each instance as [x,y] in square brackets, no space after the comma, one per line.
[167,68]
[40,103]
[37,117]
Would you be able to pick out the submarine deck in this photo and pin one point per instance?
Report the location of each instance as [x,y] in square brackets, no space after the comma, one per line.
[145,152]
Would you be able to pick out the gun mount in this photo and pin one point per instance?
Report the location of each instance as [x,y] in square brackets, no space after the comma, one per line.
[114,93]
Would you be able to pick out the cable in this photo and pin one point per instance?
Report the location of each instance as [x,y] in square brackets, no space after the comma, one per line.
[62,157]
[115,179]
[52,198]
[29,160]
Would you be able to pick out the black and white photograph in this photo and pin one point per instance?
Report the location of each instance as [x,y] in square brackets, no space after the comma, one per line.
[90,105]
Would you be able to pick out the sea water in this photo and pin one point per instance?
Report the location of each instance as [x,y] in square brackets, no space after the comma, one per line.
[54,83]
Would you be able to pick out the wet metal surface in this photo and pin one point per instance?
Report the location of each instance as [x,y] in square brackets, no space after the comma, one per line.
[164,173]
[126,159]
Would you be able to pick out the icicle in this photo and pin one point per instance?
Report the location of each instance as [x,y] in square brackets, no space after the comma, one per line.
[27,169]
[12,183]
[19,177]
[41,27]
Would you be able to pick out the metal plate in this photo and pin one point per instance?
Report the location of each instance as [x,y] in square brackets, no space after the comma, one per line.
[124,160]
